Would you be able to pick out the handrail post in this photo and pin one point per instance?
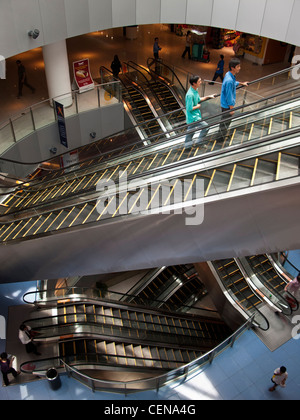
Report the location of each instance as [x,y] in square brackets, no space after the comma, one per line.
[32,119]
[12,130]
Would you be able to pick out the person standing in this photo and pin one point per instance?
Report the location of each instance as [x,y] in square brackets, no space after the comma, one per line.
[26,337]
[193,113]
[22,79]
[279,378]
[219,71]
[6,368]
[228,95]
[156,49]
[188,43]
[116,66]
[293,287]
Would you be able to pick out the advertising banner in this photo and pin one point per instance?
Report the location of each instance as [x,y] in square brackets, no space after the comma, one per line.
[82,75]
[59,109]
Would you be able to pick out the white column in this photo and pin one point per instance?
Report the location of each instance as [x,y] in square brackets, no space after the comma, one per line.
[57,72]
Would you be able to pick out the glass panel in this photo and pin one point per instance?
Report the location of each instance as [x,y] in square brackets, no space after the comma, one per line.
[87,100]
[6,137]
[43,114]
[22,124]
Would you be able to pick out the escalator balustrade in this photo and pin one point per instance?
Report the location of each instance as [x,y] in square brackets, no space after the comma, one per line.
[85,181]
[247,173]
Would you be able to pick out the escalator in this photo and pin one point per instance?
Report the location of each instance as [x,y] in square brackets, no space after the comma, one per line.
[166,99]
[138,163]
[261,150]
[250,283]
[125,336]
[213,178]
[138,107]
[178,287]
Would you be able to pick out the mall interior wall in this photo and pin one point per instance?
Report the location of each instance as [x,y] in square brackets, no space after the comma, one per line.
[61,19]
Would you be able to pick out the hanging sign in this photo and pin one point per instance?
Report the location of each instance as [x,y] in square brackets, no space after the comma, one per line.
[82,75]
[60,115]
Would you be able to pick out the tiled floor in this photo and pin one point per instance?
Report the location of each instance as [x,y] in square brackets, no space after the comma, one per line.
[242,372]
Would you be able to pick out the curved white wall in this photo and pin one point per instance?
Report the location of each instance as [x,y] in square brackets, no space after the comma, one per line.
[61,19]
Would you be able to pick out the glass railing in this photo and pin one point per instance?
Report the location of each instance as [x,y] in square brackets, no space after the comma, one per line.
[42,114]
[127,143]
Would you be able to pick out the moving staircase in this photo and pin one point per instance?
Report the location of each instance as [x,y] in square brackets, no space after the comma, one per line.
[121,335]
[83,180]
[251,282]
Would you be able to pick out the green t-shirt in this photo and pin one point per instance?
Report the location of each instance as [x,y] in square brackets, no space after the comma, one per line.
[192,99]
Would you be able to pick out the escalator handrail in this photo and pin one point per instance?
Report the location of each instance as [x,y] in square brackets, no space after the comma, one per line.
[184,125]
[162,81]
[56,298]
[245,297]
[185,164]
[168,67]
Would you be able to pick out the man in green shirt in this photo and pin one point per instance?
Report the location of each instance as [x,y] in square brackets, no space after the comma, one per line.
[193,113]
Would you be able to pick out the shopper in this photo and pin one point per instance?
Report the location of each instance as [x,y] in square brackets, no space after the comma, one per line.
[219,71]
[188,44]
[279,378]
[293,287]
[6,368]
[193,113]
[228,95]
[156,49]
[22,79]
[116,66]
[26,336]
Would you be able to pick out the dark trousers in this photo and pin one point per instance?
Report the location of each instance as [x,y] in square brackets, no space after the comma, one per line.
[187,50]
[216,75]
[224,125]
[31,348]
[24,83]
[5,378]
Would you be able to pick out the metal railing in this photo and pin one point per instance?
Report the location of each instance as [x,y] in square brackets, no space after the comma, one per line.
[42,114]
[158,382]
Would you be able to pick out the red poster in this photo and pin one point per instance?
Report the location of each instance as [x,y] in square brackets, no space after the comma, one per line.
[82,75]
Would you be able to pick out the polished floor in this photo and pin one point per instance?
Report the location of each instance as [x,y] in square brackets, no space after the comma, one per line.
[240,373]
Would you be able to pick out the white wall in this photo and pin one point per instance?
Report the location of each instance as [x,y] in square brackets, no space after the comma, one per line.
[60,19]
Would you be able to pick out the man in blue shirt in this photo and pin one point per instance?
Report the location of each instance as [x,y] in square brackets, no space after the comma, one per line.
[193,113]
[228,94]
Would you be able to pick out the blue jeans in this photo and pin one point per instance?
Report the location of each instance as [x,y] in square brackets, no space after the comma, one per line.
[201,125]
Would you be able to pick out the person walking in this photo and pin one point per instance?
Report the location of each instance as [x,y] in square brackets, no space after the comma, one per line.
[228,95]
[22,79]
[6,368]
[188,44]
[219,71]
[156,49]
[279,378]
[116,66]
[193,113]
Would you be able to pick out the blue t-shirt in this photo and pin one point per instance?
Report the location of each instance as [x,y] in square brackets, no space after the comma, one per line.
[228,92]
[220,68]
[192,98]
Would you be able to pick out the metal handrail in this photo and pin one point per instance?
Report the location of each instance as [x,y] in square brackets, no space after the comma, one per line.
[159,381]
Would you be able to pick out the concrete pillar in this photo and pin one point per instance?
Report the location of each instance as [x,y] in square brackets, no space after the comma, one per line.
[57,72]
